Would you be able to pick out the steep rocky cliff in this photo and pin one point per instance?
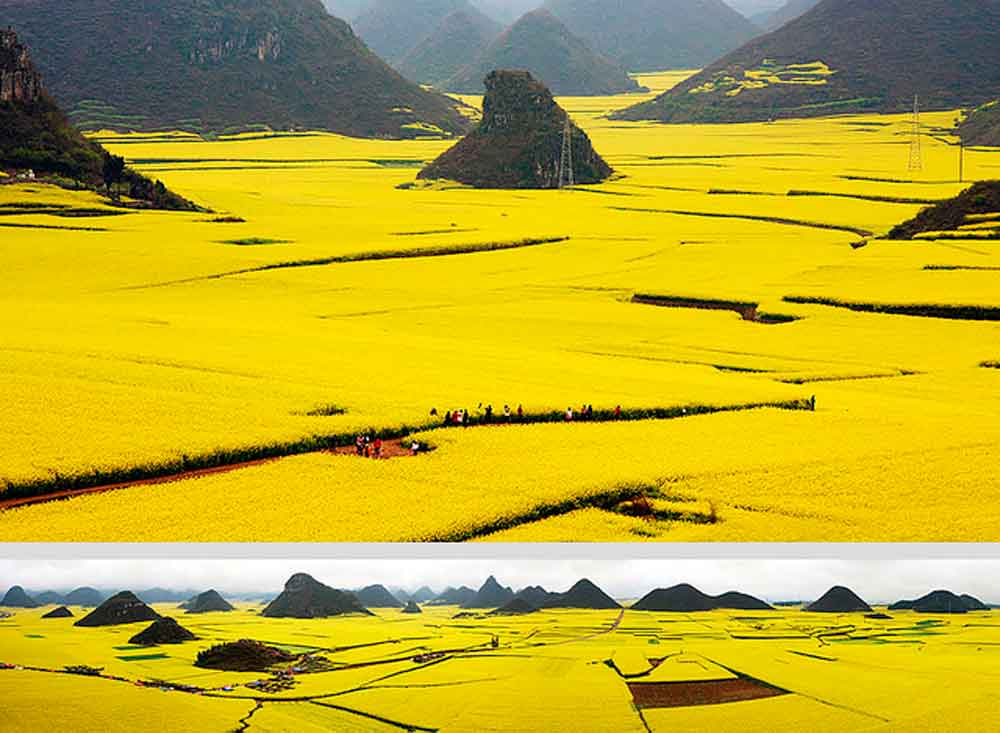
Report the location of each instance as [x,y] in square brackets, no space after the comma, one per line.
[221,65]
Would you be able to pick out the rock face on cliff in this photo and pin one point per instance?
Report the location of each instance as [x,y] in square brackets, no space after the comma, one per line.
[541,44]
[845,57]
[221,65]
[982,127]
[306,597]
[35,135]
[19,81]
[519,142]
[977,204]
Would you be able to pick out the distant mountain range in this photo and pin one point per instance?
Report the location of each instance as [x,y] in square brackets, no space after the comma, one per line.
[210,66]
[847,56]
[774,19]
[540,43]
[454,43]
[652,35]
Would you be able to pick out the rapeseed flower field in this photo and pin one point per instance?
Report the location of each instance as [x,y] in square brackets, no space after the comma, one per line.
[323,296]
[551,670]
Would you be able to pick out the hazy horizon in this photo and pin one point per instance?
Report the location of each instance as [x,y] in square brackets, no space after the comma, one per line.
[773,580]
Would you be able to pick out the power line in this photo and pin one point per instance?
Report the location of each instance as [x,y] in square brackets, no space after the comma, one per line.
[566,175]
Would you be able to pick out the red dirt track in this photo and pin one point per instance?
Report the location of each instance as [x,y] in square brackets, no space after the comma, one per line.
[390,449]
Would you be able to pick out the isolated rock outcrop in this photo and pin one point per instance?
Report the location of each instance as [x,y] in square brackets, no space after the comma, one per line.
[519,142]
[839,600]
[162,631]
[122,608]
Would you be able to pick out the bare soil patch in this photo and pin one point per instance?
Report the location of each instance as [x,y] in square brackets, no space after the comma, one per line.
[706,692]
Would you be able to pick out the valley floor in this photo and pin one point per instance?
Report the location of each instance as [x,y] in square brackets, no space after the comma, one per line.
[581,670]
[322,299]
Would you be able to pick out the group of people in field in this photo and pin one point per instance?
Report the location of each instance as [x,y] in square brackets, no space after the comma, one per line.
[368,445]
[488,416]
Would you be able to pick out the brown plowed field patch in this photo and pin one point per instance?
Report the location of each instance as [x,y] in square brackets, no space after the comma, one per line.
[705,692]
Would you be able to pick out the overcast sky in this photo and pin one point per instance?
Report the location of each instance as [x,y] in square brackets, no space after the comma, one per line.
[876,581]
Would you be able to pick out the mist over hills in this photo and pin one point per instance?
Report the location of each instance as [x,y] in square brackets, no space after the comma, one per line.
[459,38]
[220,65]
[541,44]
[652,35]
[845,56]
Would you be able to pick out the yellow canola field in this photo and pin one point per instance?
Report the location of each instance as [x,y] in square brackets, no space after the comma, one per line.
[156,341]
[552,670]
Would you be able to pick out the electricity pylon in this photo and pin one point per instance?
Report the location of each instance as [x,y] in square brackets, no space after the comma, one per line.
[566,177]
[916,147]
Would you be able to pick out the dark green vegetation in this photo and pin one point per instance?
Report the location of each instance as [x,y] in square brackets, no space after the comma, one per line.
[839,600]
[882,54]
[980,199]
[514,607]
[16,597]
[35,135]
[306,597]
[941,601]
[686,598]
[220,66]
[244,655]
[651,35]
[541,44]
[392,28]
[377,596]
[748,311]
[207,602]
[122,608]
[162,631]
[61,612]
[519,142]
[63,486]
[919,310]
[412,607]
[460,37]
[982,126]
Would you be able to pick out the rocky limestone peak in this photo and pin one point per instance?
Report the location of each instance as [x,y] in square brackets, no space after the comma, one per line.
[516,100]
[519,142]
[19,81]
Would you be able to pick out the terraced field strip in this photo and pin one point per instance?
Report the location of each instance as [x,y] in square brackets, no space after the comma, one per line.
[752,217]
[61,488]
[747,311]
[389,254]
